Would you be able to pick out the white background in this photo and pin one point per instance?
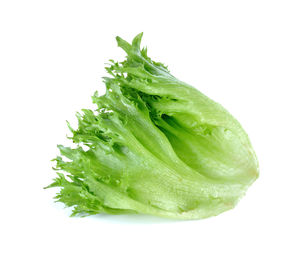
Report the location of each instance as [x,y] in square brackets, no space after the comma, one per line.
[243,54]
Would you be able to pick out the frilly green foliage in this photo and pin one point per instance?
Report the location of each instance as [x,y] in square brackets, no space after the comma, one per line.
[154,145]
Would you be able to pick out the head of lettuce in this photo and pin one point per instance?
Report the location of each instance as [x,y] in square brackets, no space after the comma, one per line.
[154,145]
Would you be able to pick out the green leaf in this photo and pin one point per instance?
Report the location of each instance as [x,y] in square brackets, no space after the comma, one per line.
[154,145]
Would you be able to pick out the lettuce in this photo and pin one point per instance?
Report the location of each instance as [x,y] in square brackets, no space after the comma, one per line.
[154,145]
